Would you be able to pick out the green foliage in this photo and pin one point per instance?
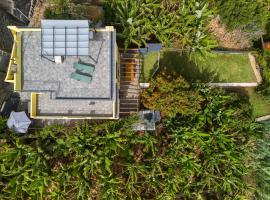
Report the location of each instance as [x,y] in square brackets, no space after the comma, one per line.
[62,9]
[69,9]
[247,15]
[216,145]
[183,24]
[263,165]
[3,124]
[193,20]
[267,35]
[203,155]
[263,58]
[61,164]
[171,95]
[24,170]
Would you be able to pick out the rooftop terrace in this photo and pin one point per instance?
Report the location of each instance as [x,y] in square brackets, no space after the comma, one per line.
[53,93]
[40,74]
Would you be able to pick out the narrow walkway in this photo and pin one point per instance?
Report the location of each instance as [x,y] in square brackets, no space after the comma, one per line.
[129,81]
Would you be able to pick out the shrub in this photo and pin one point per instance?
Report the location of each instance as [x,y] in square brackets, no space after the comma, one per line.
[263,58]
[171,95]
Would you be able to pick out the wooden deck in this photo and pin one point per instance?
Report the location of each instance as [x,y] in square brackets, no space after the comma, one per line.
[129,81]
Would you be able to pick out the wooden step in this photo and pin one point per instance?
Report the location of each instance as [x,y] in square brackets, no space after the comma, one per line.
[129,109]
[129,101]
[129,105]
[124,113]
[129,87]
[129,73]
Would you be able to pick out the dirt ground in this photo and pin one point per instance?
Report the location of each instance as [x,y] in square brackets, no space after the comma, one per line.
[234,40]
[38,13]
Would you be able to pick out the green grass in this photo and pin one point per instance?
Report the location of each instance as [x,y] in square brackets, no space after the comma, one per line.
[230,68]
[261,105]
[150,64]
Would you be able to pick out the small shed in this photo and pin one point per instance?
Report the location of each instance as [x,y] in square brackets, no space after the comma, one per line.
[19,122]
[147,120]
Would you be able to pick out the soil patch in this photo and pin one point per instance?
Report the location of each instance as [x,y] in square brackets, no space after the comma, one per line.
[235,40]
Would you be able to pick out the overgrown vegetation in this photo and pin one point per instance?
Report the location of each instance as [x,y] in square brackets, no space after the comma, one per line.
[172,95]
[183,24]
[69,9]
[263,58]
[3,125]
[218,140]
[201,154]
[263,166]
[251,16]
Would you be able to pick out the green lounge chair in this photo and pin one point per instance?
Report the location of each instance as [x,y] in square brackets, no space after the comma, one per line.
[81,77]
[88,69]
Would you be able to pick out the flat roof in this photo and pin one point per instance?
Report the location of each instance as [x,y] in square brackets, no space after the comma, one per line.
[58,93]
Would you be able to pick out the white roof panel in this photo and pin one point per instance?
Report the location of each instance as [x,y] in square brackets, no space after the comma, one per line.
[65,37]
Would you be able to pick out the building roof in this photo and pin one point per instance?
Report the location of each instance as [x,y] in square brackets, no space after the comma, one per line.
[57,95]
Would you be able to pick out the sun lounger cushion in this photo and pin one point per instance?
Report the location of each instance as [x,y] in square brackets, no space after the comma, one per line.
[89,69]
[81,77]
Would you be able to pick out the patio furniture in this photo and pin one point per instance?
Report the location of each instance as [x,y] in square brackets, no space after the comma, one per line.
[81,77]
[85,68]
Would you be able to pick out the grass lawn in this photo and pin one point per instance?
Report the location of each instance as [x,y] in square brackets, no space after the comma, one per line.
[231,68]
[261,105]
[150,64]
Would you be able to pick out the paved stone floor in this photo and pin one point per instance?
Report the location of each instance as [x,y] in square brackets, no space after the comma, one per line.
[53,82]
[41,74]
[47,105]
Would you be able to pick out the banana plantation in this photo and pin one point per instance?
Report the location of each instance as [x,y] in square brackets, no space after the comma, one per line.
[206,154]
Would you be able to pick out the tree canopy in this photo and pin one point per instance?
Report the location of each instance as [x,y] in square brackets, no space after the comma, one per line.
[172,95]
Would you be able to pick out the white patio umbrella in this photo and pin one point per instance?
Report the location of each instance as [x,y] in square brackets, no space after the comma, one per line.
[19,122]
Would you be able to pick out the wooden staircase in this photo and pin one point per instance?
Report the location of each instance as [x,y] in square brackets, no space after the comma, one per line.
[129,81]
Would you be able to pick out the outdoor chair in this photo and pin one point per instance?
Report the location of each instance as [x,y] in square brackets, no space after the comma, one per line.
[81,77]
[85,68]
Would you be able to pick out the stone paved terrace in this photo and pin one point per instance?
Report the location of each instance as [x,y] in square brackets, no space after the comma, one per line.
[72,107]
[61,94]
[40,74]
